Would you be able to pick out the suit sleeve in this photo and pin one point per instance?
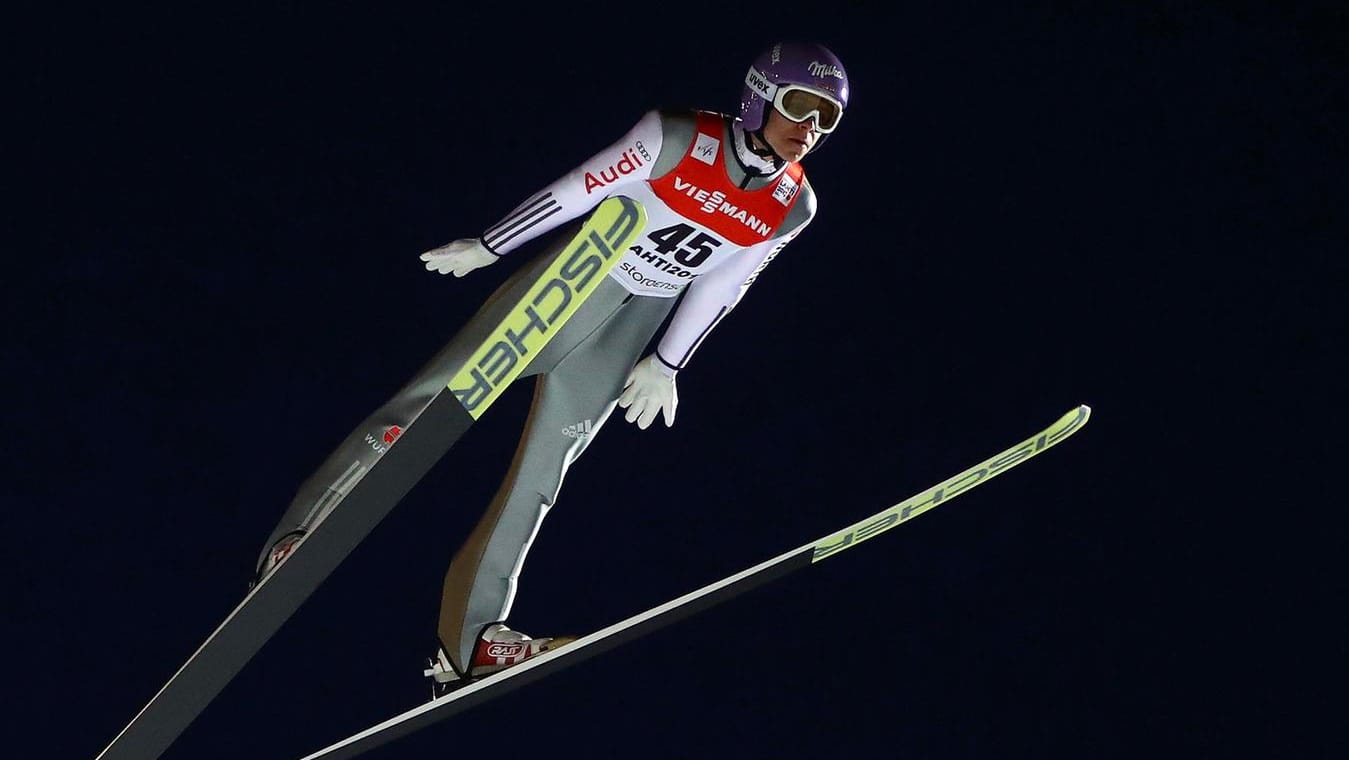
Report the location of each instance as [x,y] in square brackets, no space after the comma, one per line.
[711,297]
[627,161]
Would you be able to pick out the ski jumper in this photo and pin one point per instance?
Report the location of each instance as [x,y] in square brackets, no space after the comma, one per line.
[717,215]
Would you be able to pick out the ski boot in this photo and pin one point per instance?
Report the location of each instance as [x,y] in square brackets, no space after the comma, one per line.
[280,550]
[498,648]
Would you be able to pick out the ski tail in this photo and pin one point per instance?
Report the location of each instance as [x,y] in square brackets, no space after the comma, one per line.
[657,617]
[553,298]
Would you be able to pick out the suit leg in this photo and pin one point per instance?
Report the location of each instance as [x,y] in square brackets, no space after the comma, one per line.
[571,403]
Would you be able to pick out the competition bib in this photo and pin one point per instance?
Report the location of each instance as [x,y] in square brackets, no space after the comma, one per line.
[697,218]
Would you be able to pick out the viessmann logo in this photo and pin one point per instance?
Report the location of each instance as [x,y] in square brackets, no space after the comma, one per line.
[715,202]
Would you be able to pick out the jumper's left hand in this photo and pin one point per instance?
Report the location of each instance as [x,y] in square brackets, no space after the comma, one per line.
[650,389]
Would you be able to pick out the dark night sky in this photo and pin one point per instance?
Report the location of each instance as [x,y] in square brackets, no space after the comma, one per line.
[1123,205]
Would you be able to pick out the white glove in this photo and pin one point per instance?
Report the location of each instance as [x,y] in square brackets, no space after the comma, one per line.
[459,257]
[650,389]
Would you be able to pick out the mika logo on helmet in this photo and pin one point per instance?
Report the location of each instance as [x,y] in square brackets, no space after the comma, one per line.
[628,164]
[818,69]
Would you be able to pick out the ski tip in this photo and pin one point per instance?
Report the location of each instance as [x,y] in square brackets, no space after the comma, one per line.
[1077,418]
[1068,424]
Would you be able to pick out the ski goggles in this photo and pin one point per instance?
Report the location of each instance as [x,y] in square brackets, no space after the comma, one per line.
[797,102]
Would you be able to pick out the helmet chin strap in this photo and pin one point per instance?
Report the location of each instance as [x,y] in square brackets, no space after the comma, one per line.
[764,152]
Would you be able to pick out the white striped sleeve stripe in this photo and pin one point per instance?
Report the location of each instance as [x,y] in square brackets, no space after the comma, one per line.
[526,216]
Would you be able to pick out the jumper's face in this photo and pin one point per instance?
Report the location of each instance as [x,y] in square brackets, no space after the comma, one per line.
[789,139]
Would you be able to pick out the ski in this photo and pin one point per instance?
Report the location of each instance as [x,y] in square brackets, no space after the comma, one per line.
[552,299]
[600,641]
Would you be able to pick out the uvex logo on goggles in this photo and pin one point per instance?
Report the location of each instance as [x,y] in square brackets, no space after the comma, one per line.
[797,102]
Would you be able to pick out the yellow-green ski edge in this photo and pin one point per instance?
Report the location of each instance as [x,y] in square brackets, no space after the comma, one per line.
[952,487]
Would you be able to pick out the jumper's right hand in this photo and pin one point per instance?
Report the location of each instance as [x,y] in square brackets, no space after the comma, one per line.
[648,391]
[459,257]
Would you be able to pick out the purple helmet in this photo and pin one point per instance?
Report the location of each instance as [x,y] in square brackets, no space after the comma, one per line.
[804,64]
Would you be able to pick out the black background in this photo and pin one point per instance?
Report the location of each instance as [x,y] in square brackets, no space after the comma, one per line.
[214,276]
